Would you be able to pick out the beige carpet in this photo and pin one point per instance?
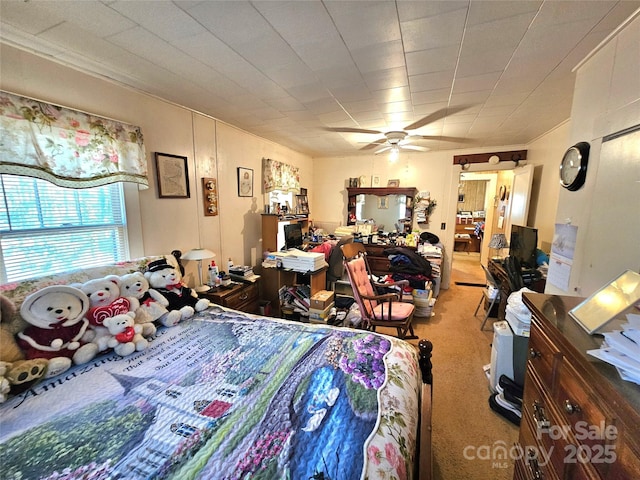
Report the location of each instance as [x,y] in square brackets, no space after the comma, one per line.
[465,430]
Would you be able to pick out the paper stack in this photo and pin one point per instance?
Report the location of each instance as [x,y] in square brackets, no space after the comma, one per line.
[240,273]
[621,348]
[299,261]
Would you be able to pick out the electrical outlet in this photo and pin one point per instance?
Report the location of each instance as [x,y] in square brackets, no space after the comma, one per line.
[443,226]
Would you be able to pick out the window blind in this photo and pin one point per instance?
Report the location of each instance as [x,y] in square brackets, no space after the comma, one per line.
[46,229]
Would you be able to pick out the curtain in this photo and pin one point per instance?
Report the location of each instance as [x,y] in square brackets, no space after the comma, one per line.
[280,176]
[67,147]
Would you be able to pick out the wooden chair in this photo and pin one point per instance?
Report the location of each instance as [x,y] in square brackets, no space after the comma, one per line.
[385,310]
[492,284]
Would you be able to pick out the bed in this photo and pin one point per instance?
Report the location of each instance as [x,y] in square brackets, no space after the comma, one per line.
[229,395]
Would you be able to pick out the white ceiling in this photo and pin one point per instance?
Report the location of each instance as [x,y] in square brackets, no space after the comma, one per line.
[287,70]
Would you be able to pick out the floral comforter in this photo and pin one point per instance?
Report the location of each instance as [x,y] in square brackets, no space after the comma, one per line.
[224,395]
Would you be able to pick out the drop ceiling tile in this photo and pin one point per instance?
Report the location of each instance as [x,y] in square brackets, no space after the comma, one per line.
[391,95]
[379,57]
[431,81]
[28,18]
[385,79]
[364,23]
[165,19]
[444,30]
[429,97]
[91,15]
[433,60]
[474,83]
[416,10]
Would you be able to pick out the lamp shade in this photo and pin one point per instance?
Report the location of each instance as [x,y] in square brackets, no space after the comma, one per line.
[198,254]
[498,240]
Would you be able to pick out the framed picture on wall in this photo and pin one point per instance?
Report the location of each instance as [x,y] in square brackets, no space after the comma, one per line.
[245,182]
[383,202]
[375,180]
[395,183]
[173,176]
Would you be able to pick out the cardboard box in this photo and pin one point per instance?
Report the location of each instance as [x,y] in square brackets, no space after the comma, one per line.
[320,316]
[321,299]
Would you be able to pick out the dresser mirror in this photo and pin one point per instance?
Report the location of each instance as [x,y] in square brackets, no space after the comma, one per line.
[389,208]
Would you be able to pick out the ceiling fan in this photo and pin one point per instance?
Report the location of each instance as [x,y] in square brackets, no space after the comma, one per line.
[400,139]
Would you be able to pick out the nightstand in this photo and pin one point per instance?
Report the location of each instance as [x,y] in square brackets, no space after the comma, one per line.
[239,296]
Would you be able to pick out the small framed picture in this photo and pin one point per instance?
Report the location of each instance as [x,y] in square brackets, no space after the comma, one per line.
[383,202]
[395,183]
[375,180]
[245,182]
[173,176]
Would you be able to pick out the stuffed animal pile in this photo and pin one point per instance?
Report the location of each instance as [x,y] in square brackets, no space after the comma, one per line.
[16,373]
[63,325]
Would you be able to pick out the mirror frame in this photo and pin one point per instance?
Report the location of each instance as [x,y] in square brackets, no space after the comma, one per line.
[352,192]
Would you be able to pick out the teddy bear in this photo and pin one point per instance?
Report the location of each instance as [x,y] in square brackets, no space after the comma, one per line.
[16,373]
[56,329]
[153,306]
[167,280]
[125,336]
[105,301]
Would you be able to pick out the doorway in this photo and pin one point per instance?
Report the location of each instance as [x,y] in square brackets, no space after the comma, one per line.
[504,195]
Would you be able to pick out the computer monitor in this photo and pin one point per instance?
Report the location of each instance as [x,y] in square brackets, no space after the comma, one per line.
[292,236]
[523,245]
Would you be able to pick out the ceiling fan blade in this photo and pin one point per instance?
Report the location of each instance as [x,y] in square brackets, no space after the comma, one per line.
[414,147]
[352,130]
[439,137]
[382,150]
[435,116]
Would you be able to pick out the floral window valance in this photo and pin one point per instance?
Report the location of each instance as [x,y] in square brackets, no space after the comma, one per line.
[67,147]
[280,176]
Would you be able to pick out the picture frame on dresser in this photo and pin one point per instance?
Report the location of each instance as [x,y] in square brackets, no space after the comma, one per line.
[173,175]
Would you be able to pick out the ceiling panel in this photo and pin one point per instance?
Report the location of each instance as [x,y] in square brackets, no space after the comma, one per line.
[290,70]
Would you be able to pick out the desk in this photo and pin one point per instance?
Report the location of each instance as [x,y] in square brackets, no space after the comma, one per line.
[275,278]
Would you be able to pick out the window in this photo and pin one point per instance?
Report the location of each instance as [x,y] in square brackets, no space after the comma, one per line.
[46,229]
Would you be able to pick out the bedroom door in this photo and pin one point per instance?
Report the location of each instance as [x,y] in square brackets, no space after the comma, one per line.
[519,198]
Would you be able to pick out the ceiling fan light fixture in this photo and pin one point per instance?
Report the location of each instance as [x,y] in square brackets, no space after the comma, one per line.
[394,153]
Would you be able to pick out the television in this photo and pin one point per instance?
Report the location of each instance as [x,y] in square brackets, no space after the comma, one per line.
[292,236]
[523,245]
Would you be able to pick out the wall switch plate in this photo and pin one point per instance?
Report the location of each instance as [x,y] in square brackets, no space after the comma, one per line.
[443,226]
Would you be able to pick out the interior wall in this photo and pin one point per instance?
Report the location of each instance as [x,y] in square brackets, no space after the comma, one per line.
[606,100]
[213,149]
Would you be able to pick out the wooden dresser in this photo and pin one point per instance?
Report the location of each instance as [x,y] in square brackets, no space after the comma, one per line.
[580,420]
[241,296]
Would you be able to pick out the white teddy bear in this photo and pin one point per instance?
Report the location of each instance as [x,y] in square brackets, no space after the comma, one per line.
[167,280]
[105,302]
[125,337]
[57,328]
[153,306]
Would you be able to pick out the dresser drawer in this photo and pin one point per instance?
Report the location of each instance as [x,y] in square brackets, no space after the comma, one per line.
[545,425]
[533,461]
[544,358]
[242,297]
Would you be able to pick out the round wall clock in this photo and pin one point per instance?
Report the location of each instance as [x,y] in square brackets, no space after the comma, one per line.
[573,167]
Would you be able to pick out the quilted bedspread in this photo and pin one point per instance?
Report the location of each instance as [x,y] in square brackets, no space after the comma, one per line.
[224,396]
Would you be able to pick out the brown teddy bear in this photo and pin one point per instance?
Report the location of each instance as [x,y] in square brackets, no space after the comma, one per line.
[16,373]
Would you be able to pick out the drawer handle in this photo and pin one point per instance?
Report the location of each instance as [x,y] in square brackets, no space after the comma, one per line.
[571,408]
[534,354]
[244,296]
[533,464]
[539,417]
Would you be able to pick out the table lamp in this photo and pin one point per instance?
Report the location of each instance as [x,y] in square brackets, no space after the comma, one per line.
[498,242]
[199,254]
